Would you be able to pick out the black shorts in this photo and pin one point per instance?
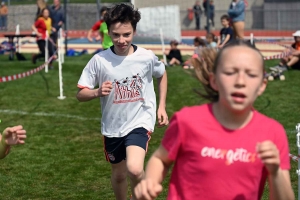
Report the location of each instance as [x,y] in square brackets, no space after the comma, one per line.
[296,65]
[115,148]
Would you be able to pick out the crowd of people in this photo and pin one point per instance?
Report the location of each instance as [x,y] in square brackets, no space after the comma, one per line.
[48,21]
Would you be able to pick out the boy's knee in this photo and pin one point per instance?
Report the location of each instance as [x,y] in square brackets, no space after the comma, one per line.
[135,172]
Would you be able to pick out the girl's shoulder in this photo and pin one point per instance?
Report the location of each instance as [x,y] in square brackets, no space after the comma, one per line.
[266,121]
[193,111]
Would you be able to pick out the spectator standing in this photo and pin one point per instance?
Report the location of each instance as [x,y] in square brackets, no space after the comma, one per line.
[197,12]
[3,16]
[57,16]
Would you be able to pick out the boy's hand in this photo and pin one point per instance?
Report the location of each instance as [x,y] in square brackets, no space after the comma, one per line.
[269,155]
[162,117]
[105,89]
[147,190]
[13,135]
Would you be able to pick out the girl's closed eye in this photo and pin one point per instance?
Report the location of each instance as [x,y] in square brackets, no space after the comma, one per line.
[252,75]
[229,72]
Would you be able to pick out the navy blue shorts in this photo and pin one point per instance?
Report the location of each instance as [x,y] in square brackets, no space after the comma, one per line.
[115,148]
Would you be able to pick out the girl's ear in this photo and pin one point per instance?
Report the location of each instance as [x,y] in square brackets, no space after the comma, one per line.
[212,81]
[262,87]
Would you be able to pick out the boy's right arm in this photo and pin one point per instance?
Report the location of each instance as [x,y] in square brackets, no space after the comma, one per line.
[86,94]
[156,170]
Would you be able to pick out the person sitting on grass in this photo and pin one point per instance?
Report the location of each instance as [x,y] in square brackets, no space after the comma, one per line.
[11,136]
[199,44]
[210,39]
[174,55]
[226,33]
[292,61]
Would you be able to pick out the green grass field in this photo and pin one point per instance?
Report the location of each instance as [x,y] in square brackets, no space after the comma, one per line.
[63,156]
[22,2]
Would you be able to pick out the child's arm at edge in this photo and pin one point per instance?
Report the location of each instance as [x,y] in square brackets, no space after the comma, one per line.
[11,136]
[161,111]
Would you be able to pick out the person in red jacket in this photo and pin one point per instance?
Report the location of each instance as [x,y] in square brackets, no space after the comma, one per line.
[42,26]
[96,26]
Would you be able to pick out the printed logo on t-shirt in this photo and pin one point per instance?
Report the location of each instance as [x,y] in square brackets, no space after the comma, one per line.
[230,156]
[128,89]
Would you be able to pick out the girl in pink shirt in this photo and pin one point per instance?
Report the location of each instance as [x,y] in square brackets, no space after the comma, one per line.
[224,149]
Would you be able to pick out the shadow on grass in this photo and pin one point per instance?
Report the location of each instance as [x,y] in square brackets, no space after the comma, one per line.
[46,81]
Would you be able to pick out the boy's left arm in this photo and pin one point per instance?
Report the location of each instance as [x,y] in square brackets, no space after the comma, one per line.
[161,112]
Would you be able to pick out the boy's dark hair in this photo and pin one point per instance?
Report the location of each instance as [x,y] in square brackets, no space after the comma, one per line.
[174,42]
[226,17]
[200,41]
[122,13]
[103,9]
[209,61]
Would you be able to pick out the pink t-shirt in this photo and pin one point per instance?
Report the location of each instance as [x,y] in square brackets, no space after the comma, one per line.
[212,162]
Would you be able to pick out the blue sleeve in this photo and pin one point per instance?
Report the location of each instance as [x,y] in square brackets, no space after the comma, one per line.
[239,9]
[61,18]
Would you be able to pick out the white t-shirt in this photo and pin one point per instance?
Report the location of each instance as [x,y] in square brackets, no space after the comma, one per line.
[132,101]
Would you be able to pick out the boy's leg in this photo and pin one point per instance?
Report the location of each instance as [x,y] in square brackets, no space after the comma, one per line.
[174,61]
[135,165]
[136,148]
[293,61]
[115,153]
[119,180]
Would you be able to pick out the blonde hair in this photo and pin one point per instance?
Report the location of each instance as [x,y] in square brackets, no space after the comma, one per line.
[207,63]
[41,4]
[204,66]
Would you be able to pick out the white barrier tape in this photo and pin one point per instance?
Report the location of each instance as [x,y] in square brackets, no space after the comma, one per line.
[52,42]
[25,74]
[278,56]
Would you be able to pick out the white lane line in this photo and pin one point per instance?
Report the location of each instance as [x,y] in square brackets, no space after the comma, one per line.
[18,112]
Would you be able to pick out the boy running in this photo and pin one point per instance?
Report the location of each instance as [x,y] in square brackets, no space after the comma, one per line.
[124,74]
